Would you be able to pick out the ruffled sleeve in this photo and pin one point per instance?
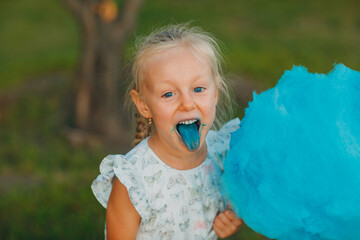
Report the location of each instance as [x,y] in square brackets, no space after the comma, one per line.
[218,141]
[126,171]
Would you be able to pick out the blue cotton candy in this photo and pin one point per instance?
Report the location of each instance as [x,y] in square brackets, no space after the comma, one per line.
[293,170]
[190,135]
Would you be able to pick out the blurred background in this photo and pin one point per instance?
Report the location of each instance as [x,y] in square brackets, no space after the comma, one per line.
[64,72]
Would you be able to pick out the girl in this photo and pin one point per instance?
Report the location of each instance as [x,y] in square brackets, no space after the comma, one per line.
[168,185]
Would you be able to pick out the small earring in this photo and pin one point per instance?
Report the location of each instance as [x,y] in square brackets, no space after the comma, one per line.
[150,121]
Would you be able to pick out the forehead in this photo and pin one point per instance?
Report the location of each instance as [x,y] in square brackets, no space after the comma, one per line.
[175,63]
[179,53]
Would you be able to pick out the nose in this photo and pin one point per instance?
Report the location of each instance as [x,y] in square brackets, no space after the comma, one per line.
[187,102]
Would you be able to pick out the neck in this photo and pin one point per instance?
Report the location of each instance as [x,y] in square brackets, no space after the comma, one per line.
[181,160]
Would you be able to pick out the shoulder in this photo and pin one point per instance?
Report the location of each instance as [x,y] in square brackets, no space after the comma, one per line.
[131,161]
[130,170]
[223,135]
[110,167]
[117,165]
[218,142]
[139,150]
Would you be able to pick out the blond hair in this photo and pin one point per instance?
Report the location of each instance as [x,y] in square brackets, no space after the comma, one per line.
[199,43]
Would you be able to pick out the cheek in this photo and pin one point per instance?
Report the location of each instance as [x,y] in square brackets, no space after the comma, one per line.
[212,105]
[209,112]
[213,114]
[161,115]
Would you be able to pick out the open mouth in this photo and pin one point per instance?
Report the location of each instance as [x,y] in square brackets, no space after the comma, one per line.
[189,133]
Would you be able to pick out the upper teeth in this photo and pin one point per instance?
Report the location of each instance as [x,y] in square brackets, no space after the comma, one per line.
[188,122]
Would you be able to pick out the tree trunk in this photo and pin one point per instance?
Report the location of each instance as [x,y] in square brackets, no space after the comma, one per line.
[105,31]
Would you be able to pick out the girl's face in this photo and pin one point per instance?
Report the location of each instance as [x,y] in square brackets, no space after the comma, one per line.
[177,87]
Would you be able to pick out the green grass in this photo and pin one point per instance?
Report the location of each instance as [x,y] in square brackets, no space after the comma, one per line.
[45,181]
[37,37]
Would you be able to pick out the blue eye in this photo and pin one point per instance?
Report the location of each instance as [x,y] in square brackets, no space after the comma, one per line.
[168,94]
[198,89]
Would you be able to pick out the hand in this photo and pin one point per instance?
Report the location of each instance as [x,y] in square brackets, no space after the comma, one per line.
[226,223]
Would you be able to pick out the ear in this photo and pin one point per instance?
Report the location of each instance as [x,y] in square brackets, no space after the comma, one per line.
[140,104]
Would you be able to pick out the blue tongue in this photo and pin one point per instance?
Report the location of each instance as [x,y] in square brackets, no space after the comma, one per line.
[190,135]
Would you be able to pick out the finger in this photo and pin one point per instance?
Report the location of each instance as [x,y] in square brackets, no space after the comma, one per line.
[238,222]
[218,231]
[230,214]
[225,219]
[233,218]
[219,222]
[224,223]
[222,230]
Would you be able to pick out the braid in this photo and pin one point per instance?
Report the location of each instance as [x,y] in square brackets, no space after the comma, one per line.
[143,128]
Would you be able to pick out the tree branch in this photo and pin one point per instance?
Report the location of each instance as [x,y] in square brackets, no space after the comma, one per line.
[126,20]
[74,5]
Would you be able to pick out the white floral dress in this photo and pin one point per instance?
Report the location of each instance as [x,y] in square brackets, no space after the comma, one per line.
[173,204]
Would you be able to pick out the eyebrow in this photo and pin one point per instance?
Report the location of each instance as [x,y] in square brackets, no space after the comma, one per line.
[198,78]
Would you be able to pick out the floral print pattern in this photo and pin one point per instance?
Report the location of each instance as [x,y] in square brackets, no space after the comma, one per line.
[173,204]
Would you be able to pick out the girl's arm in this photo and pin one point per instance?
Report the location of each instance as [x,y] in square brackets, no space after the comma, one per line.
[122,219]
